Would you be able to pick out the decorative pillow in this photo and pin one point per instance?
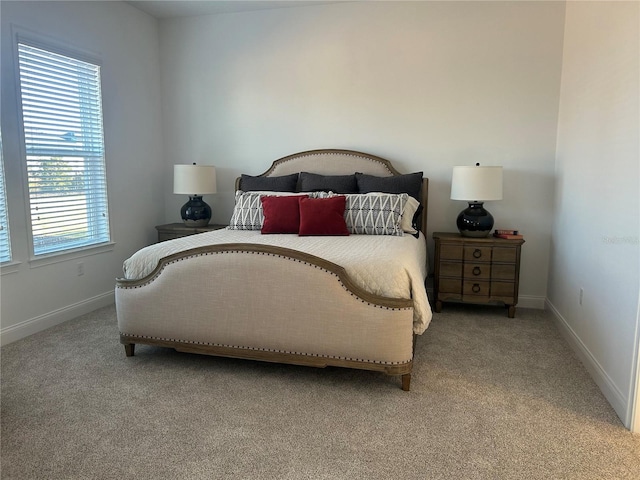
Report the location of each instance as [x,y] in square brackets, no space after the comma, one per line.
[281,214]
[312,182]
[248,213]
[408,215]
[285,183]
[410,183]
[375,213]
[323,216]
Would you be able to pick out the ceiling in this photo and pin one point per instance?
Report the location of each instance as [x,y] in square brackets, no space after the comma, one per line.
[189,8]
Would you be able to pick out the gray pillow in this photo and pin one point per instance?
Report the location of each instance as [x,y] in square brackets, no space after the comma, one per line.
[312,182]
[410,183]
[284,183]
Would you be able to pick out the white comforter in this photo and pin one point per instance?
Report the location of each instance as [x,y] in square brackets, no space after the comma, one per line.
[383,265]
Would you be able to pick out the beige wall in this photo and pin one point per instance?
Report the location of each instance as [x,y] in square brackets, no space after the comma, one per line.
[596,231]
[428,85]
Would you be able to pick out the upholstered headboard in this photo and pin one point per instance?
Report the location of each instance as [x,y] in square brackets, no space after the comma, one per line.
[341,162]
[332,162]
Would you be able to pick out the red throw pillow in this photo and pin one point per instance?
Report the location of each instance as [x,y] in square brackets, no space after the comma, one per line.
[281,214]
[323,216]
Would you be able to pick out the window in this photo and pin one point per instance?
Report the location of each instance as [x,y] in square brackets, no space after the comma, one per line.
[5,246]
[63,140]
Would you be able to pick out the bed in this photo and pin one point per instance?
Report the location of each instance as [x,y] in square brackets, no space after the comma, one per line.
[355,299]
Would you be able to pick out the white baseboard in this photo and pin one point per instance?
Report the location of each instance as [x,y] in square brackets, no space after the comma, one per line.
[599,375]
[42,322]
[530,301]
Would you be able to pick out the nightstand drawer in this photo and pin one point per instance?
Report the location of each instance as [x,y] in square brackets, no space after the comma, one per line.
[450,285]
[503,272]
[505,254]
[478,288]
[474,253]
[480,271]
[451,269]
[503,289]
[451,252]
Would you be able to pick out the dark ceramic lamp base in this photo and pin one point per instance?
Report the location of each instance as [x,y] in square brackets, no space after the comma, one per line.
[195,213]
[475,221]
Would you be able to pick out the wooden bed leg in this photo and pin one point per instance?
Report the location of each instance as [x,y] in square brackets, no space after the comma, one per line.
[129,348]
[406,381]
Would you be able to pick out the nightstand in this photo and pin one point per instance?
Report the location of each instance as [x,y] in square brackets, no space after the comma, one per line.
[177,230]
[476,270]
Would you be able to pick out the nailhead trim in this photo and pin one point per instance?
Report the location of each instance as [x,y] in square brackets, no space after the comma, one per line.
[270,350]
[268,254]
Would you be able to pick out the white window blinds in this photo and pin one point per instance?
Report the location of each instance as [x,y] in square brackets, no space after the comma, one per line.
[5,245]
[62,120]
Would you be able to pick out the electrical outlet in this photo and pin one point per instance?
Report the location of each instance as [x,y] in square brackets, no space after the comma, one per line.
[581,295]
[80,268]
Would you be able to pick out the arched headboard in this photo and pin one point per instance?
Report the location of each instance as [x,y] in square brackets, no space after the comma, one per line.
[341,162]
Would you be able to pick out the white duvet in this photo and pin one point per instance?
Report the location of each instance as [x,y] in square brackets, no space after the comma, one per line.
[383,265]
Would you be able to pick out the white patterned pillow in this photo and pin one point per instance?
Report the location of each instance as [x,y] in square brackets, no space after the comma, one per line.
[247,212]
[375,213]
[410,210]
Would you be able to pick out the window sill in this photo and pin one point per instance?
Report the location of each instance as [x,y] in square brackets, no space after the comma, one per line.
[70,255]
[9,267]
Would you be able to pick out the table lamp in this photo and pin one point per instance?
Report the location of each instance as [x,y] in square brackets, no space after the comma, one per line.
[195,181]
[476,185]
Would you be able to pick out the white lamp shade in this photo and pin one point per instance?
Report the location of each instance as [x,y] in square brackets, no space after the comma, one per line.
[194,179]
[476,183]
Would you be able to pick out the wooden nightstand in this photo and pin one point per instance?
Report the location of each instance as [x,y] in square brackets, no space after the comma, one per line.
[476,270]
[177,230]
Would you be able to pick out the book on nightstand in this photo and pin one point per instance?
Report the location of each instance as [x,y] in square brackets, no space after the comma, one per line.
[508,234]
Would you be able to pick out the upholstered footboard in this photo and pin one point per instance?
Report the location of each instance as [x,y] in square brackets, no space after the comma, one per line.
[266,303]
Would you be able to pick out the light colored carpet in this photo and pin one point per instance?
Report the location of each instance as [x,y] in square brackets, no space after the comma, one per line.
[491,398]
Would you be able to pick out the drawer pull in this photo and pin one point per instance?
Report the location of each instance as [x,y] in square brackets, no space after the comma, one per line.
[475,288]
[476,271]
[477,253]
